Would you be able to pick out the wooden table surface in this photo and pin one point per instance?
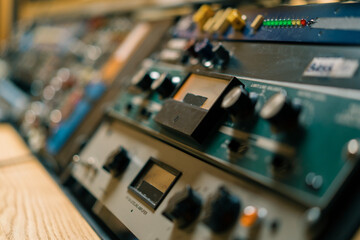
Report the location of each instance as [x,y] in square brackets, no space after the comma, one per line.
[32,205]
[12,147]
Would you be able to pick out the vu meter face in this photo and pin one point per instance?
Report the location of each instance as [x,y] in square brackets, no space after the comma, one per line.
[159,178]
[154,181]
[201,91]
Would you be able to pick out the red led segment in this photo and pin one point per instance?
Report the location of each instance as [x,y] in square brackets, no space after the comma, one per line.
[303,22]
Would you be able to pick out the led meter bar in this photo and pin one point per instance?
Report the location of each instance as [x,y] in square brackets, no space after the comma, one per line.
[284,23]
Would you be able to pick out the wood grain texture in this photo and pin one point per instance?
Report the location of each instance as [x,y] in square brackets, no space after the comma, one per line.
[32,206]
[11,144]
[357,235]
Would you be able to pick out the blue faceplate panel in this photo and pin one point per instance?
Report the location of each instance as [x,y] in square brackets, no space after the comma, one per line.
[305,34]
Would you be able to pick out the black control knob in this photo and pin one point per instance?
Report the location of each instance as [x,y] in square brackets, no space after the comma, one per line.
[238,103]
[281,112]
[204,49]
[117,162]
[222,55]
[184,207]
[142,80]
[234,145]
[190,49]
[145,113]
[223,210]
[163,85]
[280,165]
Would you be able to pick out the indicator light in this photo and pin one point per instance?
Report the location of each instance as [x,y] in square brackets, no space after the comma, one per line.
[303,22]
[249,216]
[285,22]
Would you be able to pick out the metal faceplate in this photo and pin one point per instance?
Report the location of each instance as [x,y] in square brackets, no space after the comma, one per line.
[327,121]
[146,223]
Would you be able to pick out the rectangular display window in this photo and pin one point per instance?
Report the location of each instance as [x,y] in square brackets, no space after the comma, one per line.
[154,181]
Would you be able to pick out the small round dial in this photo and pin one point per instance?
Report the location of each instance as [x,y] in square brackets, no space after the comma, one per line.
[223,210]
[280,111]
[184,207]
[222,55]
[204,49]
[142,80]
[163,85]
[238,103]
[117,161]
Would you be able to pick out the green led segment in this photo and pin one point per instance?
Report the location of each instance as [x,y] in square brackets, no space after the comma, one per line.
[288,22]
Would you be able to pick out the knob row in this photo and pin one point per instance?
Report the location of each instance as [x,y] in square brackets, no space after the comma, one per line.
[222,210]
[279,110]
[163,84]
[208,54]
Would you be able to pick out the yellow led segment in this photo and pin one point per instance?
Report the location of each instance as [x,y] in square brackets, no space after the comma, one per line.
[221,24]
[235,20]
[298,22]
[202,15]
[257,22]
